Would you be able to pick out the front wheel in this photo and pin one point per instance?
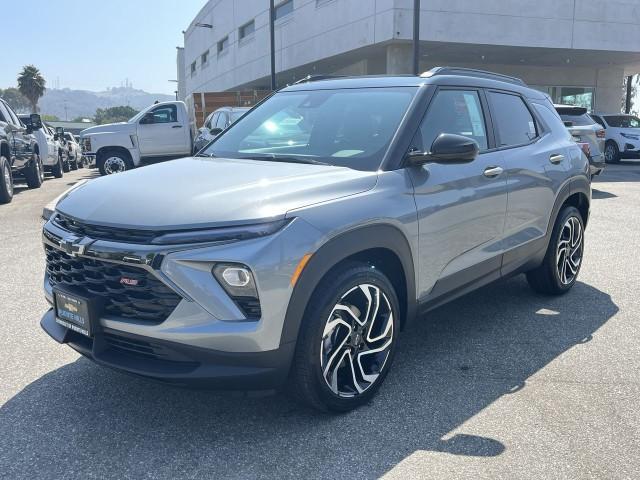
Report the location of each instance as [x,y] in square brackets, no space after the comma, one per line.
[562,262]
[347,340]
[34,173]
[58,169]
[114,162]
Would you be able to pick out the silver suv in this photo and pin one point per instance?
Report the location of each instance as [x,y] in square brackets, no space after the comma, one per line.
[298,245]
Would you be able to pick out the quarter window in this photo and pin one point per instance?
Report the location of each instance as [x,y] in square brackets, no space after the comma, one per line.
[514,123]
[454,111]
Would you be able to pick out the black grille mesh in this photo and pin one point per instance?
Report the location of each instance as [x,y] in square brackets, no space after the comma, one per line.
[149,300]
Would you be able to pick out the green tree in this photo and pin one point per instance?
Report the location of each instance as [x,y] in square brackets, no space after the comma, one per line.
[15,99]
[50,118]
[32,85]
[114,114]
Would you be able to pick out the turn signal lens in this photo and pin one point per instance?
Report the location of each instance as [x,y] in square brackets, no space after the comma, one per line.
[301,264]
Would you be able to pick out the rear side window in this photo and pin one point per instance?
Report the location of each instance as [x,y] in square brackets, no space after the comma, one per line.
[454,111]
[514,123]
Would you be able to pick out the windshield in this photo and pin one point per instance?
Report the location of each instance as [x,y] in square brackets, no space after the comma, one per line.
[347,127]
[136,117]
[623,121]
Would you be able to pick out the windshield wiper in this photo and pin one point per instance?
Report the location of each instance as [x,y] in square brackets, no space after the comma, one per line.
[207,155]
[272,157]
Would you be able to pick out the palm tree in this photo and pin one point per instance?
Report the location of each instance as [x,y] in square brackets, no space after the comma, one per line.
[31,84]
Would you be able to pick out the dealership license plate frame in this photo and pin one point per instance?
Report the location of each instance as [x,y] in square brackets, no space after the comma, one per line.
[76,312]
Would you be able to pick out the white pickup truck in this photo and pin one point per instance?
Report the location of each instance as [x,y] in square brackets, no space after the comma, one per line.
[159,132]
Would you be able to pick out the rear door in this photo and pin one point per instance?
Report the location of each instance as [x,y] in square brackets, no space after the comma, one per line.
[461,208]
[165,135]
[536,163]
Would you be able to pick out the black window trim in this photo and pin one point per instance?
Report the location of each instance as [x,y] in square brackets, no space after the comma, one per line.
[540,132]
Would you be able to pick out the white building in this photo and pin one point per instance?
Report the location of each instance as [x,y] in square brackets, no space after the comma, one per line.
[579,51]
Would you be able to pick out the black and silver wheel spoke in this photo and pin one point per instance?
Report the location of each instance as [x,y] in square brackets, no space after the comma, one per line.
[569,250]
[357,340]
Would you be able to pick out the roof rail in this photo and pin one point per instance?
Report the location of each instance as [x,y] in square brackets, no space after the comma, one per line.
[471,72]
[315,78]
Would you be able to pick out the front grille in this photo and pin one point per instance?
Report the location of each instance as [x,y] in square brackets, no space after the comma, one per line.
[149,299]
[98,232]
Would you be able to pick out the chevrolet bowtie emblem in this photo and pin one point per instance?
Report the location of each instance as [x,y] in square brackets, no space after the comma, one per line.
[74,245]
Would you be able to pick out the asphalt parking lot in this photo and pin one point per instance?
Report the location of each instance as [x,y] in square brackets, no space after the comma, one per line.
[502,383]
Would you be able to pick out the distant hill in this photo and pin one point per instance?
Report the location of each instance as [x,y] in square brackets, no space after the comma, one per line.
[83,103]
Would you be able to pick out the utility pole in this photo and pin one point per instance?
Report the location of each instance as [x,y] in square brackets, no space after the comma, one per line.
[272,19]
[627,103]
[416,36]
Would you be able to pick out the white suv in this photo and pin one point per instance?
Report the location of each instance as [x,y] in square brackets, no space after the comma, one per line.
[622,138]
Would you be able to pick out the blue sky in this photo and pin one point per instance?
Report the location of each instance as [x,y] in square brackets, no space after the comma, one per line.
[95,44]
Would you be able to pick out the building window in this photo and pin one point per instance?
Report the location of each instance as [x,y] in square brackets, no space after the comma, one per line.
[247,29]
[223,45]
[578,96]
[284,9]
[205,58]
[193,68]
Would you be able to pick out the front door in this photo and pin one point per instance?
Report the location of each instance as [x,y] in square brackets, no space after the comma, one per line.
[461,207]
[161,133]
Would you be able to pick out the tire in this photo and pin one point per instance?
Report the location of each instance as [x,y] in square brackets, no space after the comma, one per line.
[73,164]
[566,247]
[6,181]
[58,169]
[34,173]
[611,153]
[114,161]
[332,340]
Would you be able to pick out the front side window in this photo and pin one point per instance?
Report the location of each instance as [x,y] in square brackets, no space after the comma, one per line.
[454,111]
[514,123]
[623,121]
[345,127]
[222,121]
[165,114]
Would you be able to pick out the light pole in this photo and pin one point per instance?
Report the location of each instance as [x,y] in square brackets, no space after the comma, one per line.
[272,15]
[175,91]
[416,36]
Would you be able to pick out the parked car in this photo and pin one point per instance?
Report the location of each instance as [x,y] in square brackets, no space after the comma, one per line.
[19,152]
[74,151]
[249,267]
[622,136]
[52,160]
[587,132]
[216,122]
[159,132]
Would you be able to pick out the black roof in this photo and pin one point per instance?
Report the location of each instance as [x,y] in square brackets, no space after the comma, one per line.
[452,76]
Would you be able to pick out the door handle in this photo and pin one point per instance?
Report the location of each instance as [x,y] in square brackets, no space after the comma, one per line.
[556,158]
[177,126]
[492,172]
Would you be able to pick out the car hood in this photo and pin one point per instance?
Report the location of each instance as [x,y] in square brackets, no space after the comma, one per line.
[109,128]
[200,192]
[630,131]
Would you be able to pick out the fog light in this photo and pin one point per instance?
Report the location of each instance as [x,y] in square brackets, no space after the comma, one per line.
[236,276]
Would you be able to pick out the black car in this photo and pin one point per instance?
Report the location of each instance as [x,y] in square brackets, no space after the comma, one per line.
[19,154]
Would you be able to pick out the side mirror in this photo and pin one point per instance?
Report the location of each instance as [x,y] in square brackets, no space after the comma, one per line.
[60,131]
[568,124]
[55,136]
[447,148]
[147,119]
[215,131]
[36,121]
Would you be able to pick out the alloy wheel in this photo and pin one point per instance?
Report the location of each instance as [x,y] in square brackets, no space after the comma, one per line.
[609,153]
[39,169]
[357,340]
[569,250]
[114,165]
[7,180]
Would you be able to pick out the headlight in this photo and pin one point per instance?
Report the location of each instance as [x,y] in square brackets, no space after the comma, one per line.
[222,234]
[630,136]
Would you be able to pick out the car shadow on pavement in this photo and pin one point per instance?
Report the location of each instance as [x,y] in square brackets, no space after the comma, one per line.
[82,420]
[601,194]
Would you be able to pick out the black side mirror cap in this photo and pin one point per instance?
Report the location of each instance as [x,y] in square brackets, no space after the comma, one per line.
[215,131]
[147,119]
[447,148]
[36,121]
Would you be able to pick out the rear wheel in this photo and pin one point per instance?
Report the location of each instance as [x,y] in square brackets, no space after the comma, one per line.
[34,173]
[562,262]
[347,339]
[6,181]
[611,153]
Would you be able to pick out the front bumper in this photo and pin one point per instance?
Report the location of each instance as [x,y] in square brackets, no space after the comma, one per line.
[175,363]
